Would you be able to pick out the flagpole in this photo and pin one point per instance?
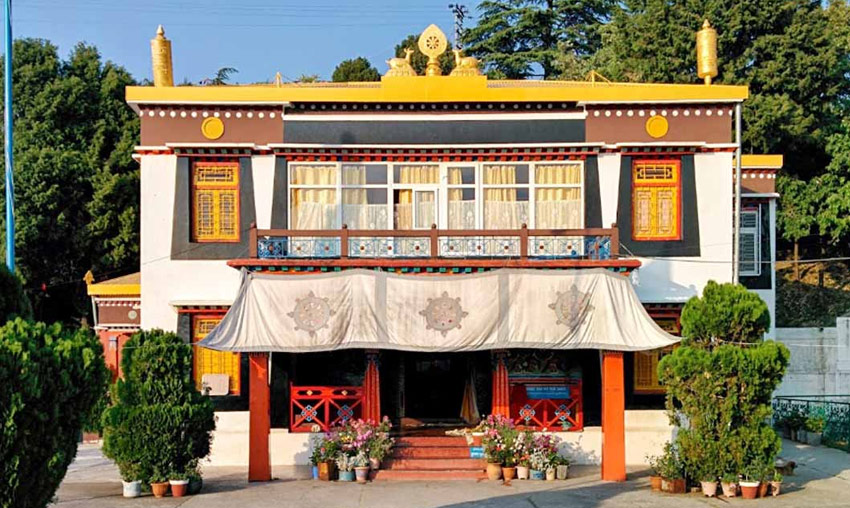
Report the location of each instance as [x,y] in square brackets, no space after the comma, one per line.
[10,188]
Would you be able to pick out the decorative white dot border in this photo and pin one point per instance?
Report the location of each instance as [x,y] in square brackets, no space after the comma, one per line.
[675,112]
[182,114]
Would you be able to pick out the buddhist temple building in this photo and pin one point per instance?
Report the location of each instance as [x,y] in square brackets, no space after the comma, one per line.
[434,248]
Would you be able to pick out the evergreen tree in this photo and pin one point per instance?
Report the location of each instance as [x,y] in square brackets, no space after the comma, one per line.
[356,69]
[76,185]
[518,39]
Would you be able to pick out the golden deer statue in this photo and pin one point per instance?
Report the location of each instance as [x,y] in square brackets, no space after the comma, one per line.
[465,65]
[401,66]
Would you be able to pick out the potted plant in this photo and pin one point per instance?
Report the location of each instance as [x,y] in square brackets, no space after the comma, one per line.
[326,458]
[550,473]
[345,466]
[159,483]
[562,467]
[708,482]
[672,470]
[196,482]
[179,482]
[750,483]
[522,447]
[729,484]
[776,483]
[132,486]
[655,475]
[361,466]
[495,428]
[814,429]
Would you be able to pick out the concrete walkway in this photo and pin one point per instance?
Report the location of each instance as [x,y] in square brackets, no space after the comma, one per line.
[822,480]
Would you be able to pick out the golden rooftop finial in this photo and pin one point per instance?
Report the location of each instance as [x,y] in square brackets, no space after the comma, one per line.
[433,43]
[161,58]
[465,65]
[277,80]
[401,66]
[707,52]
[88,277]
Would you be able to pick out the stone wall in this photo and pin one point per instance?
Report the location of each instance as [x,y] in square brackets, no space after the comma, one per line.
[820,360]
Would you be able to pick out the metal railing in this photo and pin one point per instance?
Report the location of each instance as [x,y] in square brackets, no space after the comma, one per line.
[834,409]
[523,243]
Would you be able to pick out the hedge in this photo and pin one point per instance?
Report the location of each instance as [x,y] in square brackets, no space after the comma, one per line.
[50,378]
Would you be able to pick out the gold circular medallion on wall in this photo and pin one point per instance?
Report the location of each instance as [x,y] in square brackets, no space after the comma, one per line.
[657,126]
[213,128]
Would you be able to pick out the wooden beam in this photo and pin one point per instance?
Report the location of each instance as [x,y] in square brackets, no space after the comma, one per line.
[259,424]
[613,417]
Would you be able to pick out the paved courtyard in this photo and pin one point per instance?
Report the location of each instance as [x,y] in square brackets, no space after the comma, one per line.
[822,480]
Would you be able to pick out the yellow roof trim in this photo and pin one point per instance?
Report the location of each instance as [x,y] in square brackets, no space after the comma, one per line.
[766,161]
[114,289]
[438,89]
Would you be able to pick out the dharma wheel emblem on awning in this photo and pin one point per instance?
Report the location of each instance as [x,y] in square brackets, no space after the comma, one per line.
[570,306]
[311,313]
[443,313]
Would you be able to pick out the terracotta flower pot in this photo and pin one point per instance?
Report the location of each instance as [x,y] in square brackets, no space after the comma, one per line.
[362,474]
[749,490]
[494,471]
[179,487]
[729,489]
[709,488]
[522,472]
[159,489]
[508,473]
[655,483]
[763,489]
[326,471]
[775,487]
[673,485]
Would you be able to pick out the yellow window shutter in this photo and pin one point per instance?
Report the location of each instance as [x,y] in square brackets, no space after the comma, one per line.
[209,361]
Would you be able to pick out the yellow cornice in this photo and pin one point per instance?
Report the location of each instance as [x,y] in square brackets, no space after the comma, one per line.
[114,289]
[762,161]
[437,89]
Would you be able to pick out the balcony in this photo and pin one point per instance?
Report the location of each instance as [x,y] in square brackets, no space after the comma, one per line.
[436,248]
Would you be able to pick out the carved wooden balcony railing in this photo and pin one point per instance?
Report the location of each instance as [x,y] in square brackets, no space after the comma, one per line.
[523,244]
[323,406]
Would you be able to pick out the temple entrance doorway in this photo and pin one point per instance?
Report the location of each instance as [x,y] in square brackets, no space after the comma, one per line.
[434,386]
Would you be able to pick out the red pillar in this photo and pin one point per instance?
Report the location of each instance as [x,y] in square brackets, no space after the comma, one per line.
[259,425]
[372,388]
[613,417]
[501,396]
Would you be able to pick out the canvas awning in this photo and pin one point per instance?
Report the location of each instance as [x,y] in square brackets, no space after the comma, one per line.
[501,309]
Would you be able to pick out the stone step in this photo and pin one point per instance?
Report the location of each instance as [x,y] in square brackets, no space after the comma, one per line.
[420,474]
[436,464]
[425,441]
[431,452]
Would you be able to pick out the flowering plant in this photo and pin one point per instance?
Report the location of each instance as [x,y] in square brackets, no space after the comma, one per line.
[345,462]
[522,448]
[500,435]
[381,442]
[544,452]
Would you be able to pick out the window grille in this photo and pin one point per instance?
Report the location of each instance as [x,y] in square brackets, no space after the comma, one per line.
[215,200]
[209,361]
[656,200]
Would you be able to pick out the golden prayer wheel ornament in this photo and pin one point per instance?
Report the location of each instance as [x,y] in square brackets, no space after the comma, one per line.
[707,52]
[161,59]
[433,43]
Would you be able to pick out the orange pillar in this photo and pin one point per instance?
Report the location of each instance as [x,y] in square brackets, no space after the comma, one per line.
[613,417]
[372,388]
[259,425]
[501,396]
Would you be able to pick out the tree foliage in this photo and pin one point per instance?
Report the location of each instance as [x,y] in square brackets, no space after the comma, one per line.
[159,425]
[76,185]
[724,313]
[50,378]
[356,69]
[13,301]
[517,39]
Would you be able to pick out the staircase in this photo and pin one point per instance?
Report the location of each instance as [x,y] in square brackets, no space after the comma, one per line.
[431,458]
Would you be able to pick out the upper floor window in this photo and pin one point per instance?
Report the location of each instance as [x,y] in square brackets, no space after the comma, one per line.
[215,201]
[656,200]
[750,243]
[451,195]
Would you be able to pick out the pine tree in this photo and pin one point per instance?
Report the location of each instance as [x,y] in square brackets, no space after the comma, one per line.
[356,69]
[518,39]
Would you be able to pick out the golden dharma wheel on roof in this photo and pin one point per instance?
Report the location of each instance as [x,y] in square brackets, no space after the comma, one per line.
[707,52]
[433,43]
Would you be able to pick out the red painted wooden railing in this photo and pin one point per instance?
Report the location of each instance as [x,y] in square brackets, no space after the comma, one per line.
[324,406]
[551,414]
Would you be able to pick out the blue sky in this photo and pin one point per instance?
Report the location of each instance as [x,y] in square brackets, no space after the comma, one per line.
[257,37]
